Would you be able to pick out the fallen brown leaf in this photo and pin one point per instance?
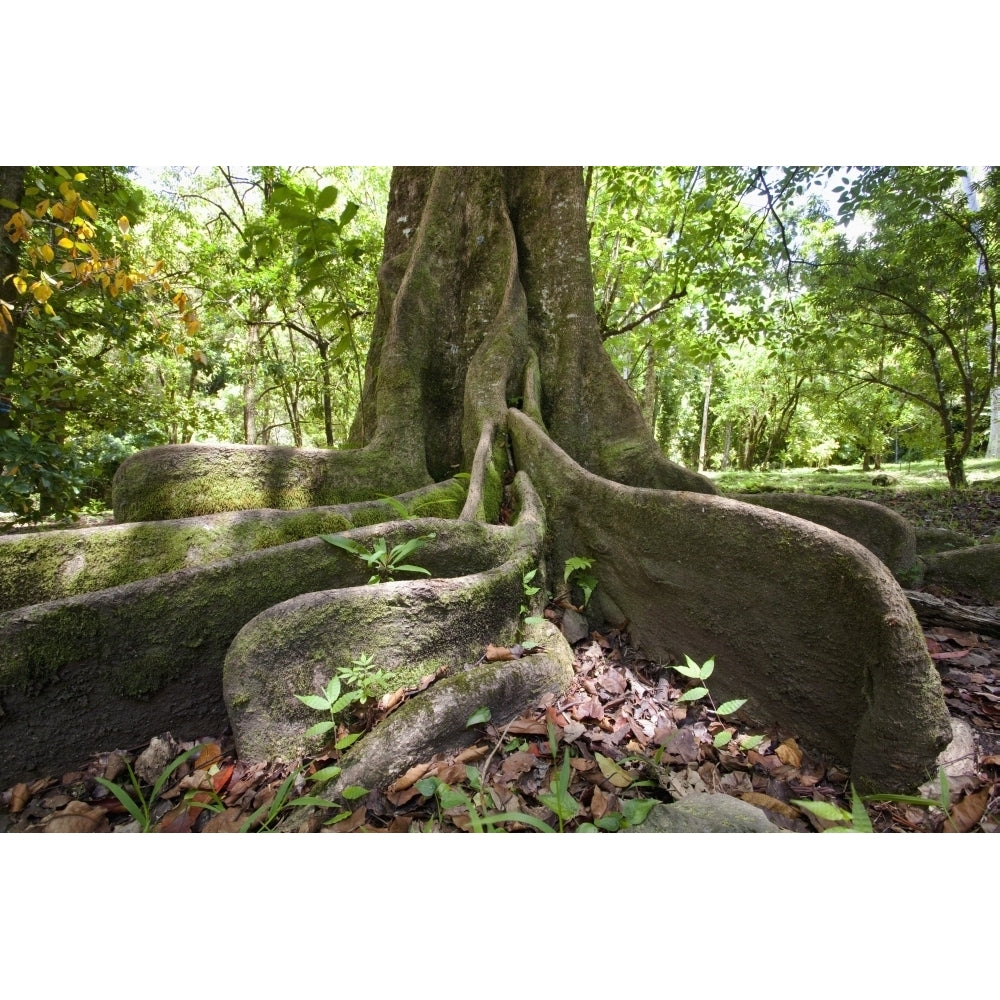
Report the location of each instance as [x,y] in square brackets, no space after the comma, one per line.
[967,813]
[411,777]
[19,797]
[763,801]
[229,821]
[496,653]
[77,817]
[789,752]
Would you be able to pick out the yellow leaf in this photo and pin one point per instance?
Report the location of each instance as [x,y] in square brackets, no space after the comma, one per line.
[88,208]
[41,208]
[47,253]
[20,284]
[124,225]
[66,243]
[618,777]
[192,326]
[789,752]
[66,190]
[180,348]
[79,177]
[68,267]
[41,291]
[49,309]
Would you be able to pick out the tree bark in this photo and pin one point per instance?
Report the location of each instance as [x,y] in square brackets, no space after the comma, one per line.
[933,610]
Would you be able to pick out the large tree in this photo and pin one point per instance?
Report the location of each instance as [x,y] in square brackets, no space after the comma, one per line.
[486,359]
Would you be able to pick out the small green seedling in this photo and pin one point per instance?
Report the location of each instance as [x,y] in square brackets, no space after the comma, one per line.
[332,701]
[265,817]
[702,673]
[364,677]
[385,562]
[558,798]
[529,592]
[140,808]
[577,567]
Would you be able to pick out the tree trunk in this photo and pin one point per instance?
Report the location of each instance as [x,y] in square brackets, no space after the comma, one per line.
[993,446]
[486,358]
[703,447]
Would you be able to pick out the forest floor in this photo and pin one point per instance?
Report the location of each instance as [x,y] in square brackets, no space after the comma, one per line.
[619,740]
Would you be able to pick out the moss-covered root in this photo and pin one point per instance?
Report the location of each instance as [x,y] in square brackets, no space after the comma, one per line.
[880,530]
[412,628]
[51,565]
[177,481]
[804,622]
[436,720]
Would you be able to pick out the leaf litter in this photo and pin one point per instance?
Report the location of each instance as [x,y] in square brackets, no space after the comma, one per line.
[597,758]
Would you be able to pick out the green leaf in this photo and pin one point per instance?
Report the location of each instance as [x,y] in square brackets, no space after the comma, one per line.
[692,670]
[427,786]
[314,701]
[411,569]
[326,198]
[534,620]
[452,798]
[859,815]
[347,741]
[694,694]
[125,799]
[169,770]
[326,773]
[749,742]
[722,739]
[347,544]
[728,707]
[332,690]
[572,565]
[635,811]
[354,792]
[612,822]
[824,810]
[320,728]
[480,715]
[350,210]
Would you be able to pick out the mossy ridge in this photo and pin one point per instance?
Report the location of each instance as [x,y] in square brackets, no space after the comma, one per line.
[46,566]
[179,481]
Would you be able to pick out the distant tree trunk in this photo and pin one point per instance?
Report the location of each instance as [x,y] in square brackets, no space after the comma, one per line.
[727,444]
[993,446]
[651,388]
[703,447]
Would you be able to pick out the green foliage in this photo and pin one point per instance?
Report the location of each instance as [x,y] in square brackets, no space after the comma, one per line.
[363,677]
[529,591]
[264,818]
[576,572]
[701,673]
[479,716]
[140,807]
[384,561]
[858,820]
[332,701]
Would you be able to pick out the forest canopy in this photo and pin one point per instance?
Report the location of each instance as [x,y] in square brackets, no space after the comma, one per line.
[762,317]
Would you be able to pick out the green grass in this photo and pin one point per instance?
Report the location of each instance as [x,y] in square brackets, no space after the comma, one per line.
[849,480]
